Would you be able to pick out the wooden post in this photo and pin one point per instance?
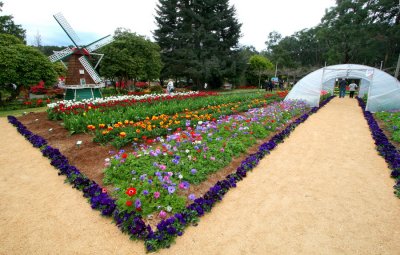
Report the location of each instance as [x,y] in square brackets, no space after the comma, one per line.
[396,74]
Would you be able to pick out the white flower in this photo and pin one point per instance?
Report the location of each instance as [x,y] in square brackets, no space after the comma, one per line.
[200,122]
[69,103]
[78,143]
[50,129]
[169,208]
[187,151]
[107,160]
[180,176]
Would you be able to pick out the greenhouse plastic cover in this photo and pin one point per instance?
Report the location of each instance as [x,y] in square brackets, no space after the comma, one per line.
[383,90]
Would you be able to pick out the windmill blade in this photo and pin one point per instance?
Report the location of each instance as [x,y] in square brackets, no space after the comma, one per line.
[90,69]
[67,28]
[58,55]
[98,62]
[99,43]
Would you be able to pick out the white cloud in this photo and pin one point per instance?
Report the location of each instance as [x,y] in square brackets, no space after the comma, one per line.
[94,19]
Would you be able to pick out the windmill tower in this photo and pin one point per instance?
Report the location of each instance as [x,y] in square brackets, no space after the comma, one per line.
[82,81]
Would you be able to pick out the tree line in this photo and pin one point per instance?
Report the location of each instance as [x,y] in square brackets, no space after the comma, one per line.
[353,31]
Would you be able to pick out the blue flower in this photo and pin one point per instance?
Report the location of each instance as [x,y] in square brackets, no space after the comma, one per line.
[193,171]
[145,192]
[171,189]
[142,177]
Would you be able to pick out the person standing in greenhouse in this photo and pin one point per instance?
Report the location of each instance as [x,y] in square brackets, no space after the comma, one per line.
[342,88]
[352,88]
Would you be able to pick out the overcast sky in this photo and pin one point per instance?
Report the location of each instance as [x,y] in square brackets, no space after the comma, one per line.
[94,19]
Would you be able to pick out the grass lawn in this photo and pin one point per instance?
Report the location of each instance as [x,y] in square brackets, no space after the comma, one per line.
[21,111]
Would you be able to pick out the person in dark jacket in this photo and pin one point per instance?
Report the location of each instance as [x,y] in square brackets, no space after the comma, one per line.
[342,88]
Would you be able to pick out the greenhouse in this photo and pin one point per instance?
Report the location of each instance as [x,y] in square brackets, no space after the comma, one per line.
[382,89]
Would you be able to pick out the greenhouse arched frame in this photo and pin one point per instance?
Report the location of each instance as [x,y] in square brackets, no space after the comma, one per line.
[382,89]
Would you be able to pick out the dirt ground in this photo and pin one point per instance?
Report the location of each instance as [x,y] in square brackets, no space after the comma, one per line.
[324,191]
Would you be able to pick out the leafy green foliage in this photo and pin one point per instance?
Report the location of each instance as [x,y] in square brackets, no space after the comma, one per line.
[130,57]
[260,64]
[23,66]
[354,31]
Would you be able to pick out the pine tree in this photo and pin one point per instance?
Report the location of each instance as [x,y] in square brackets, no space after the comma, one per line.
[198,39]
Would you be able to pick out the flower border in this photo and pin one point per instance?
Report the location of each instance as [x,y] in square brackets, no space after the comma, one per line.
[167,230]
[385,148]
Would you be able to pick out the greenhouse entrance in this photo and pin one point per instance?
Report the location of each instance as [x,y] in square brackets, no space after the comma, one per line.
[382,90]
[348,82]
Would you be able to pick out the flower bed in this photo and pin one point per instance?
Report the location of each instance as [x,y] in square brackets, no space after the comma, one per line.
[66,107]
[392,123]
[384,147]
[162,174]
[125,132]
[131,222]
[145,110]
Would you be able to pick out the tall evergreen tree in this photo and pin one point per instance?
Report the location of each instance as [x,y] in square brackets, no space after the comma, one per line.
[198,39]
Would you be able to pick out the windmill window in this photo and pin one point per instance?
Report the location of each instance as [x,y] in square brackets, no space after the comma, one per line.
[83,81]
[81,71]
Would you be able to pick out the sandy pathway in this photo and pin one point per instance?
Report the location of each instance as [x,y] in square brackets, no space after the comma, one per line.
[324,191]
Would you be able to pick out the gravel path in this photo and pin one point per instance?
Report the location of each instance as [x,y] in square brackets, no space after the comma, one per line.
[324,191]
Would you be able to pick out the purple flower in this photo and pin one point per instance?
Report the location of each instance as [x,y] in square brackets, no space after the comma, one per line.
[192,197]
[193,171]
[175,161]
[142,177]
[157,173]
[138,203]
[145,192]
[184,185]
[171,189]
[162,214]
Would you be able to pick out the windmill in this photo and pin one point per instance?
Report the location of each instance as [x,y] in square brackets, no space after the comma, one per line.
[82,80]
